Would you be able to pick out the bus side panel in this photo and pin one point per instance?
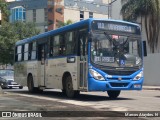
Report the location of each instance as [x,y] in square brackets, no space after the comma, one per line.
[23,69]
[56,69]
[20,73]
[32,68]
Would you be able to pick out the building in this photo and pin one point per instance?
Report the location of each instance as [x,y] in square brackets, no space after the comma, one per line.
[151,61]
[48,13]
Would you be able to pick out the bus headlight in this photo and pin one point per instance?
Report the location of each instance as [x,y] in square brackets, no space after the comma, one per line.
[96,75]
[138,60]
[139,76]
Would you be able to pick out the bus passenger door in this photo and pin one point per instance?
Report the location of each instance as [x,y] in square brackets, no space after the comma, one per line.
[83,59]
[42,58]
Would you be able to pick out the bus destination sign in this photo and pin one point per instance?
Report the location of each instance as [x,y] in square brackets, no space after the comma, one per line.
[115,26]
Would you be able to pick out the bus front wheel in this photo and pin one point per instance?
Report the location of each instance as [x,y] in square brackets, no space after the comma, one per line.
[113,94]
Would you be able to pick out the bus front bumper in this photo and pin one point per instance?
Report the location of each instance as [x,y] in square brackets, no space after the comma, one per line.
[96,85]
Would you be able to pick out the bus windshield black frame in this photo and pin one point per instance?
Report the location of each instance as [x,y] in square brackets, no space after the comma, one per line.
[119,53]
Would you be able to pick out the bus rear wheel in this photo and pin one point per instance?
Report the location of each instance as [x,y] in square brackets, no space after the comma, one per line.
[30,84]
[20,87]
[113,94]
[69,88]
[31,87]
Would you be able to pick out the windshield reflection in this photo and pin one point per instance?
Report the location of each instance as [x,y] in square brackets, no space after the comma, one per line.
[116,50]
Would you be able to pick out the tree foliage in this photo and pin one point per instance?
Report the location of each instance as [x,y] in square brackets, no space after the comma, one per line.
[68,22]
[11,33]
[4,10]
[149,12]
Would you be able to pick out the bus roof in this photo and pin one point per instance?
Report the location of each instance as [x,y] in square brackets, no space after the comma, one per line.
[68,27]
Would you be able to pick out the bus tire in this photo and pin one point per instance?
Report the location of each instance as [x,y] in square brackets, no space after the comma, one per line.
[20,87]
[30,84]
[63,92]
[113,94]
[77,92]
[69,87]
[38,90]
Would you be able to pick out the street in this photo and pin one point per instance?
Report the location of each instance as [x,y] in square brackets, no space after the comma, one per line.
[54,100]
[87,45]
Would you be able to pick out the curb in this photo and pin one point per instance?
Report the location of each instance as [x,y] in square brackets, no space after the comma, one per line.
[151,88]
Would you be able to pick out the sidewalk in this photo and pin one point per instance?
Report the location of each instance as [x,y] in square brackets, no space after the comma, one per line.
[151,87]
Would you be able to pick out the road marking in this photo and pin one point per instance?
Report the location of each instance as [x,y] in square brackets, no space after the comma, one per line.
[80,103]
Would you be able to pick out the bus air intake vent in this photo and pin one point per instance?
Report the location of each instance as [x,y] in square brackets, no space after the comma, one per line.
[119,84]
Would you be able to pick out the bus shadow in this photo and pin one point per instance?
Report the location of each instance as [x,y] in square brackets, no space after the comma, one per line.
[88,97]
[62,96]
[157,96]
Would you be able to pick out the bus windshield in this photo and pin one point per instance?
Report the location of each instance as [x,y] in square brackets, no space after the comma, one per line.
[116,50]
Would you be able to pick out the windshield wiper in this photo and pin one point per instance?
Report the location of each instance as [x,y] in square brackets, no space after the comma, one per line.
[108,37]
[119,49]
[115,43]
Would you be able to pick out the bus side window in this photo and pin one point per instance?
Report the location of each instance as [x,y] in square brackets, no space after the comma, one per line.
[62,45]
[19,53]
[56,45]
[40,52]
[26,48]
[34,51]
[70,41]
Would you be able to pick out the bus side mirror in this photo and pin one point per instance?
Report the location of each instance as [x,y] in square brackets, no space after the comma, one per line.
[144,48]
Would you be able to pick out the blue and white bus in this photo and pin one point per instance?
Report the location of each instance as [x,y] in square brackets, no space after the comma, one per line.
[90,55]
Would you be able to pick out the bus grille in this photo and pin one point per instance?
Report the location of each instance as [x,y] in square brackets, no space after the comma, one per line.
[118,79]
[119,84]
[120,73]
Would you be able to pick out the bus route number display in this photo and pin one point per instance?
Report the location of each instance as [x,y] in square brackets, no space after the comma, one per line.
[104,59]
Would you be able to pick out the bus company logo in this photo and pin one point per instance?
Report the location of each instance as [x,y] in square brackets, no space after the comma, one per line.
[6,114]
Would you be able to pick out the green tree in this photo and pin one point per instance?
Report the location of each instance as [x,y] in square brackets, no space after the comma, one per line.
[149,12]
[25,30]
[4,10]
[11,33]
[68,22]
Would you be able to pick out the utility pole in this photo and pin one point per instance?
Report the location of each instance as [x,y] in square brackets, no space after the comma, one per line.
[109,7]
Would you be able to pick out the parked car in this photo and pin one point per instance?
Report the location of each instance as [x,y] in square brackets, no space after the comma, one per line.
[7,79]
[3,82]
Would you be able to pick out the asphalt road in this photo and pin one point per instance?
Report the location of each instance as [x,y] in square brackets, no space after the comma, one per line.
[54,100]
